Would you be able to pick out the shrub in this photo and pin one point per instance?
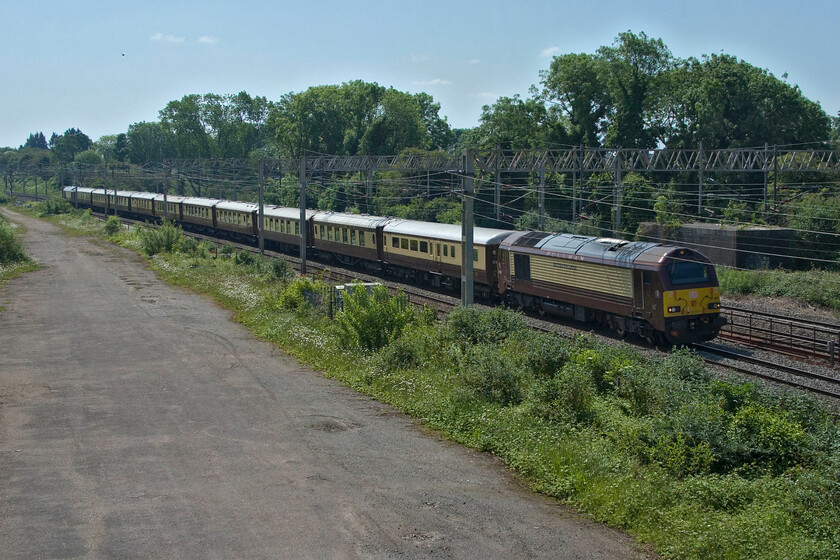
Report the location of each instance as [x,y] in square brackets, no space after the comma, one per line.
[490,376]
[10,248]
[768,439]
[545,354]
[161,240]
[372,318]
[52,206]
[470,325]
[244,258]
[280,269]
[112,225]
[301,295]
[227,249]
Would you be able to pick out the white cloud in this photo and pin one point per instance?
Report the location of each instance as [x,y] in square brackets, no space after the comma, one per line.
[549,52]
[485,95]
[434,82]
[207,40]
[166,38]
[475,61]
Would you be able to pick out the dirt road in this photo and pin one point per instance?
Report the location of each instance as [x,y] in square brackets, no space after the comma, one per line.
[139,421]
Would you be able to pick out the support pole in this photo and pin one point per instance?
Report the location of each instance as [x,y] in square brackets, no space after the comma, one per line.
[467,249]
[302,175]
[497,190]
[617,211]
[579,200]
[700,181]
[261,219]
[542,197]
[766,171]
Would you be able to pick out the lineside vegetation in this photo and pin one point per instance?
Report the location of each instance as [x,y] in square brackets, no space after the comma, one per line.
[13,260]
[697,467]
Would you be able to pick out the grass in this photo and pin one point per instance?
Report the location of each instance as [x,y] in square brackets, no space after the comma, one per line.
[815,287]
[693,466]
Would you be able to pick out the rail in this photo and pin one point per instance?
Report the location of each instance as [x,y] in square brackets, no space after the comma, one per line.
[799,338]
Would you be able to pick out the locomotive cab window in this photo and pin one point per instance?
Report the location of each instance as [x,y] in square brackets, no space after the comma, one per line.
[683,272]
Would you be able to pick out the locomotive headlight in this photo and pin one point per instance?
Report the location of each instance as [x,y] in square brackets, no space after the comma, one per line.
[714,305]
[674,309]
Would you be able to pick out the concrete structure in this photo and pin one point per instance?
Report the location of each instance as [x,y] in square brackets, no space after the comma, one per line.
[742,247]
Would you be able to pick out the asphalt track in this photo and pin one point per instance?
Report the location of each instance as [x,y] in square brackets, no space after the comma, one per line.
[138,421]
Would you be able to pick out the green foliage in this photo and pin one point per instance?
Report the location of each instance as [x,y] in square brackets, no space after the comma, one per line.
[10,247]
[227,250]
[244,258]
[767,440]
[301,295]
[814,287]
[53,206]
[280,269]
[490,376]
[469,325]
[112,225]
[164,239]
[371,318]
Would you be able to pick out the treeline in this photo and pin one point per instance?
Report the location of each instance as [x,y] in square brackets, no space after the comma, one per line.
[631,94]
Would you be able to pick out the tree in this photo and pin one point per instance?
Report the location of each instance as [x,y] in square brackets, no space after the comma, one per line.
[37,141]
[66,146]
[574,82]
[148,142]
[727,103]
[514,123]
[631,69]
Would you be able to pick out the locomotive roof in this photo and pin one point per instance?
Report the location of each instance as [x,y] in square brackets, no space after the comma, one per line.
[444,232]
[348,219]
[599,249]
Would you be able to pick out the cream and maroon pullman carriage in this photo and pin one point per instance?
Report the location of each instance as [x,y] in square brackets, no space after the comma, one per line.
[199,213]
[348,238]
[143,203]
[102,199]
[431,253]
[281,227]
[238,219]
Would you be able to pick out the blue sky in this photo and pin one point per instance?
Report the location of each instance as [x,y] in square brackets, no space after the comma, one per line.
[101,66]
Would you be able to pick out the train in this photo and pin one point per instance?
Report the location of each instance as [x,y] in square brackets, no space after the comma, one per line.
[663,293]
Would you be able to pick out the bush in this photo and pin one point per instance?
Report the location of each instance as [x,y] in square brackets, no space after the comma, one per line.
[469,325]
[372,318]
[227,250]
[10,248]
[53,206]
[112,225]
[302,295]
[280,269]
[244,258]
[164,239]
[545,354]
[767,439]
[491,377]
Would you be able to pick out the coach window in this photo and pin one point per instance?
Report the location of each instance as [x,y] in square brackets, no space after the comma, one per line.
[352,237]
[361,238]
[404,243]
[344,235]
[475,255]
[424,246]
[413,244]
[395,242]
[297,228]
[452,250]
[445,250]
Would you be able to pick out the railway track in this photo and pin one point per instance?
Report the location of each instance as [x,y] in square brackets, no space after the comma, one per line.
[799,339]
